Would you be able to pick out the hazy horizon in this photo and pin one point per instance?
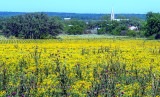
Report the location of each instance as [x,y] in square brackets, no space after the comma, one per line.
[82,6]
[71,12]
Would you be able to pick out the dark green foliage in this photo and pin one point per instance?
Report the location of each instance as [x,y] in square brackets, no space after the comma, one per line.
[75,26]
[121,27]
[117,28]
[101,31]
[134,21]
[131,33]
[141,33]
[75,29]
[153,25]
[93,24]
[108,26]
[116,31]
[31,26]
[112,27]
[78,22]
[121,17]
[105,17]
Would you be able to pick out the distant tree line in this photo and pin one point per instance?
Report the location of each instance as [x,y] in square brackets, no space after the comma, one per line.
[149,28]
[41,26]
[74,15]
[118,27]
[31,26]
[75,26]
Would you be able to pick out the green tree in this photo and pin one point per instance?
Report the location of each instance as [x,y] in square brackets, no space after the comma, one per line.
[121,17]
[105,17]
[153,25]
[92,24]
[75,29]
[32,26]
[76,22]
[131,33]
[101,31]
[134,21]
[81,26]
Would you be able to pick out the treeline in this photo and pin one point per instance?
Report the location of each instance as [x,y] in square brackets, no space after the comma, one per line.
[149,28]
[75,26]
[31,26]
[42,26]
[121,27]
[75,15]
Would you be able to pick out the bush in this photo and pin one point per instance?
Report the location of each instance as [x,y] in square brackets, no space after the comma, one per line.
[75,29]
[131,33]
[12,37]
[157,36]
[101,31]
[1,32]
[116,31]
[141,33]
[2,37]
[152,37]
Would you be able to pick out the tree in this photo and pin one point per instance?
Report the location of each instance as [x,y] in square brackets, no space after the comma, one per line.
[153,25]
[93,24]
[134,21]
[81,26]
[121,17]
[75,29]
[105,17]
[32,26]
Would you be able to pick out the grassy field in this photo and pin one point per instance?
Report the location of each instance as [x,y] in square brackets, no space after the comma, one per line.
[74,66]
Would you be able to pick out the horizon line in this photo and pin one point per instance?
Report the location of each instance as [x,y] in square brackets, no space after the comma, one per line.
[67,12]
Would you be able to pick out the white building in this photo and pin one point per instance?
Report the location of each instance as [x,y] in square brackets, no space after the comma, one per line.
[66,19]
[120,19]
[133,28]
[70,25]
[113,17]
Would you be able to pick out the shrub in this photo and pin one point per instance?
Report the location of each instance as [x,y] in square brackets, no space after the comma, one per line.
[101,31]
[12,37]
[152,37]
[75,29]
[131,33]
[141,33]
[116,31]
[157,36]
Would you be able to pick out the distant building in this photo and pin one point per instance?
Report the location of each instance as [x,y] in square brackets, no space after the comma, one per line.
[70,25]
[120,19]
[93,31]
[66,19]
[113,17]
[133,28]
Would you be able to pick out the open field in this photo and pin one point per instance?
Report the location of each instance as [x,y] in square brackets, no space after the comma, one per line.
[80,66]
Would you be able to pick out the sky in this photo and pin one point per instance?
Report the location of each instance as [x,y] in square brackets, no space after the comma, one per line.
[81,6]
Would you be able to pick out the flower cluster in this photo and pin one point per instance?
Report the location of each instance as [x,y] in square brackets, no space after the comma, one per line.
[77,66]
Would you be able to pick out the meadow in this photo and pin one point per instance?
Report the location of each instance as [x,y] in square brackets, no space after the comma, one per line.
[74,66]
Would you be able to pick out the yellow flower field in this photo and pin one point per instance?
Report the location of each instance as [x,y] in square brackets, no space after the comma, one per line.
[80,66]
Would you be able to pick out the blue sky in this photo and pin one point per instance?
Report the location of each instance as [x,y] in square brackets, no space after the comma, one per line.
[81,6]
